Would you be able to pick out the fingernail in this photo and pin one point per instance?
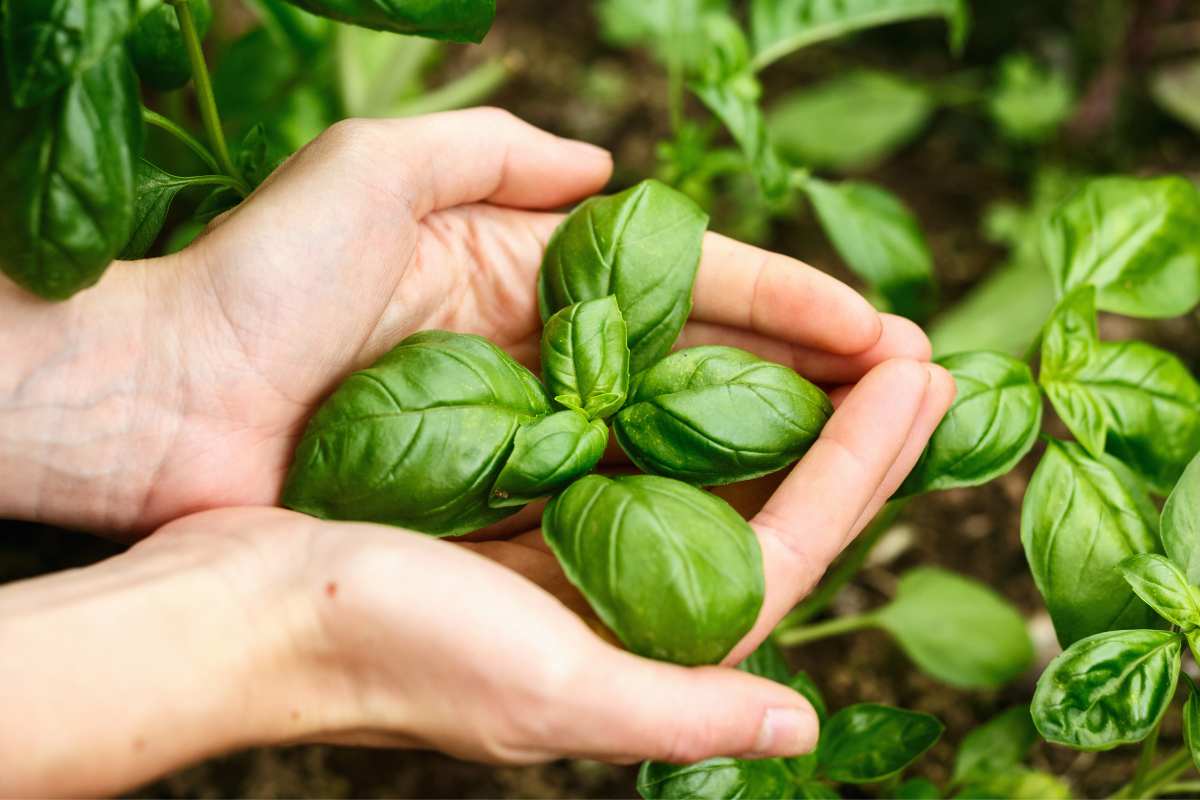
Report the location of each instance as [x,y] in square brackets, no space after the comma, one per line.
[784,732]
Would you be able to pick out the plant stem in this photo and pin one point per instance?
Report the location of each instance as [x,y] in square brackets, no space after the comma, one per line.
[193,144]
[1157,779]
[1181,787]
[204,92]
[675,74]
[463,91]
[1145,761]
[789,637]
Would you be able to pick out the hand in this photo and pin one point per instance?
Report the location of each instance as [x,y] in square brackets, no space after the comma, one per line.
[183,383]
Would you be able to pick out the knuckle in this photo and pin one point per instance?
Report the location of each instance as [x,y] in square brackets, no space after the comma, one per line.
[352,134]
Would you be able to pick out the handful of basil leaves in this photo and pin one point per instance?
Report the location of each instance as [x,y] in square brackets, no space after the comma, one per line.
[446,433]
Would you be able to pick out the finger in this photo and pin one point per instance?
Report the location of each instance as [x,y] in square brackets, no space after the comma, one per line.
[744,287]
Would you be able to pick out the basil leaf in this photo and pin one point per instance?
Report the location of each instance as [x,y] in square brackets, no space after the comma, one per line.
[1176,87]
[1017,784]
[1139,403]
[1029,101]
[993,422]
[155,191]
[996,746]
[815,790]
[867,742]
[712,415]
[734,101]
[50,43]
[417,439]
[585,357]
[1164,588]
[1108,689]
[643,246]
[547,454]
[803,684]
[957,630]
[685,583]
[715,779]
[850,122]
[67,180]
[1181,523]
[918,789]
[157,46]
[672,29]
[1081,517]
[260,154]
[781,27]
[880,240]
[768,661]
[1191,724]
[1134,240]
[460,21]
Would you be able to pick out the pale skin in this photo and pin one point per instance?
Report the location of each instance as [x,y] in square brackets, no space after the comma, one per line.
[167,401]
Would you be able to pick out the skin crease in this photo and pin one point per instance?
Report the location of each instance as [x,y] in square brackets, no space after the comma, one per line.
[180,385]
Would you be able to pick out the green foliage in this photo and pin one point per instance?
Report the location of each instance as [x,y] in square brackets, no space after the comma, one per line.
[996,747]
[585,357]
[1164,588]
[1029,102]
[453,20]
[548,454]
[866,743]
[1191,724]
[157,46]
[154,191]
[1181,523]
[716,779]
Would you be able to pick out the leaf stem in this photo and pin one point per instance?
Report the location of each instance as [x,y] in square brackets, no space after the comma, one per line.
[790,637]
[193,144]
[1182,787]
[675,73]
[1145,760]
[1159,778]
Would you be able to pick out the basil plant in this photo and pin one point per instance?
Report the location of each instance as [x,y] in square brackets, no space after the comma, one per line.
[446,433]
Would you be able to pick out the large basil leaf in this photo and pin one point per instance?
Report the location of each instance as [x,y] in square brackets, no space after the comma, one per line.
[849,122]
[712,415]
[992,424]
[1191,724]
[957,630]
[548,454]
[781,27]
[1029,102]
[735,102]
[996,746]
[643,246]
[1164,588]
[67,180]
[1107,690]
[454,20]
[879,239]
[157,45]
[1134,240]
[50,43]
[585,357]
[672,570]
[1080,519]
[418,439]
[716,779]
[1181,523]
[867,742]
[1139,403]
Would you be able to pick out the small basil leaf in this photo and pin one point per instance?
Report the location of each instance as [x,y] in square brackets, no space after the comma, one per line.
[1018,783]
[157,47]
[156,190]
[992,424]
[548,454]
[803,684]
[715,779]
[1191,724]
[1134,240]
[880,240]
[685,583]
[713,415]
[957,630]
[1029,101]
[259,155]
[1137,402]
[585,357]
[768,661]
[867,742]
[1107,690]
[461,21]
[996,746]
[1081,517]
[1181,523]
[417,439]
[918,789]
[643,246]
[1164,588]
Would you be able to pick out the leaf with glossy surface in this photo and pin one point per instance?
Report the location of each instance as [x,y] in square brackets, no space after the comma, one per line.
[547,454]
[675,572]
[155,191]
[1181,523]
[1134,240]
[715,779]
[643,247]
[996,746]
[1080,519]
[1108,689]
[453,20]
[585,357]
[868,742]
[1164,588]
[993,422]
[768,661]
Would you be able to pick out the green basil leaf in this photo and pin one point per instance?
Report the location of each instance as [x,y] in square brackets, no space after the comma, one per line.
[547,454]
[996,746]
[1164,588]
[1134,240]
[156,190]
[1029,101]
[1176,89]
[867,742]
[918,789]
[781,27]
[1018,783]
[734,101]
[259,155]
[712,415]
[460,21]
[1108,689]
[957,630]
[1181,523]
[880,240]
[1191,724]
[643,246]
[993,422]
[157,46]
[685,583]
[1137,402]
[815,790]
[417,439]
[715,779]
[672,29]
[1082,517]
[48,44]
[67,180]
[585,357]
[803,684]
[851,121]
[299,30]
[768,661]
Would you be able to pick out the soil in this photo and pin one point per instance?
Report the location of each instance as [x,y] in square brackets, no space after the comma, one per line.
[573,84]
